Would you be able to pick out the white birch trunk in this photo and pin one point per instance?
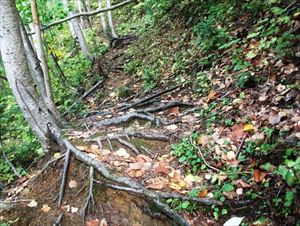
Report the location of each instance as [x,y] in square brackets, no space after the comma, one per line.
[110,21]
[18,73]
[102,17]
[79,33]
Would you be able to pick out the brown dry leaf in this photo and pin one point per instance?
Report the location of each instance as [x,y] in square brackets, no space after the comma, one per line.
[177,186]
[258,175]
[173,111]
[72,184]
[274,119]
[82,148]
[230,194]
[237,132]
[105,152]
[122,153]
[157,183]
[103,222]
[211,96]
[242,183]
[46,208]
[231,155]
[32,203]
[137,169]
[203,140]
[175,175]
[171,127]
[143,158]
[92,223]
[161,167]
[239,191]
[203,193]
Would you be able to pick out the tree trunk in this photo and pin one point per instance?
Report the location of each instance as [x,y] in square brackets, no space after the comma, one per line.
[103,21]
[18,74]
[78,31]
[110,21]
[42,58]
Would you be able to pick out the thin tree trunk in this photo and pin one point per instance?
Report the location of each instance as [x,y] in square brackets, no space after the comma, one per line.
[42,58]
[78,31]
[18,73]
[103,21]
[78,3]
[110,21]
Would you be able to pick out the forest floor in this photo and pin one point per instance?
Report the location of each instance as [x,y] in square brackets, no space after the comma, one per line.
[132,133]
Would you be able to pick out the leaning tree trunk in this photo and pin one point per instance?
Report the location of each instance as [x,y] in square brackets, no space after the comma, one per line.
[18,74]
[79,33]
[41,56]
[110,21]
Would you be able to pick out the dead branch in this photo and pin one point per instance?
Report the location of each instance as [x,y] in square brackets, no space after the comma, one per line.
[64,178]
[137,103]
[129,145]
[129,117]
[11,165]
[86,94]
[90,202]
[85,14]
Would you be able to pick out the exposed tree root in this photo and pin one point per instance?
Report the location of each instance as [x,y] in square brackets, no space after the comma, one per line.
[129,145]
[145,99]
[167,106]
[90,202]
[58,220]
[129,117]
[128,182]
[64,178]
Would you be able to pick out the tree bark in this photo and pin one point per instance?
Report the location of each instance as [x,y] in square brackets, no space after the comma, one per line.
[110,21]
[79,33]
[18,74]
[103,21]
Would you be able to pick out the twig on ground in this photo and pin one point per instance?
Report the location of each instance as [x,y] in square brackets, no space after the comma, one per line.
[201,155]
[240,146]
[147,151]
[90,202]
[11,165]
[58,220]
[109,142]
[64,177]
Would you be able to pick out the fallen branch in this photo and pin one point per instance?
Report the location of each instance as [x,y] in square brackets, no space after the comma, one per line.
[129,117]
[137,103]
[11,165]
[85,14]
[86,94]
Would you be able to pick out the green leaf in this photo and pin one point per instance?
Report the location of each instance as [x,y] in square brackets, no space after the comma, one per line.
[185,204]
[228,187]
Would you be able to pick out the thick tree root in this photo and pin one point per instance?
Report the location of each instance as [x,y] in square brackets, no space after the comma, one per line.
[168,106]
[128,182]
[90,202]
[129,117]
[64,178]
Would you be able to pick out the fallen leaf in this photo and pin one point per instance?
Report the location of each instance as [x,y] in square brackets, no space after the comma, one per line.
[32,203]
[274,119]
[122,153]
[72,184]
[172,127]
[229,194]
[203,193]
[234,221]
[242,183]
[203,140]
[74,209]
[143,158]
[239,191]
[161,167]
[137,169]
[105,152]
[157,183]
[46,208]
[173,111]
[231,155]
[103,222]
[248,127]
[211,96]
[56,155]
[237,132]
[92,223]
[258,175]
[177,186]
